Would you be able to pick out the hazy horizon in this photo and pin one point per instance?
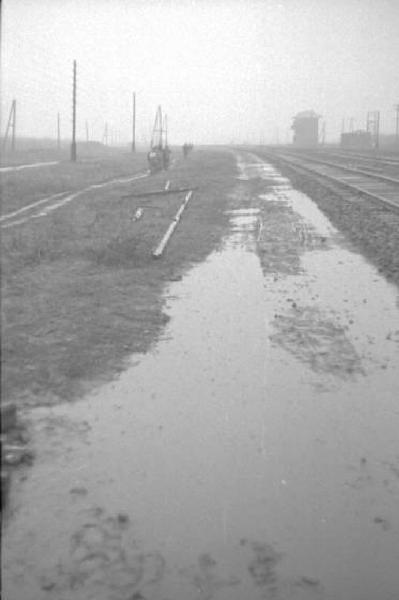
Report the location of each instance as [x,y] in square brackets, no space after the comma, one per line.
[223,70]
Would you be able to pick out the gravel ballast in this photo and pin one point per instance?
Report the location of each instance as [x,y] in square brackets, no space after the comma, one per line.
[371,228]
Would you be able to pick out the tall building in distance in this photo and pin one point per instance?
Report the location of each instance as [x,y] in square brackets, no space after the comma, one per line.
[306,129]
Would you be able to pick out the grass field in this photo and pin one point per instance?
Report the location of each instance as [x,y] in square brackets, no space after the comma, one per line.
[29,185]
[81,291]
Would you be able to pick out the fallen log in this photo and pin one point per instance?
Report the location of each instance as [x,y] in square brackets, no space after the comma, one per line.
[162,244]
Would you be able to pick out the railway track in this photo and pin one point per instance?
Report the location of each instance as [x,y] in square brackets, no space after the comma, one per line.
[383,166]
[381,188]
[357,157]
[368,171]
[378,159]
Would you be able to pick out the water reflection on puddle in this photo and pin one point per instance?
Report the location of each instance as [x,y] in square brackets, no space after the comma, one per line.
[242,223]
[242,474]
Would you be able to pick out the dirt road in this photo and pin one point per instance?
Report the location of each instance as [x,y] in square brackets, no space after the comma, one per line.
[252,454]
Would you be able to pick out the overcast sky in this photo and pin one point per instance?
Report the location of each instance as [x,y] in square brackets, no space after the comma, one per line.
[223,70]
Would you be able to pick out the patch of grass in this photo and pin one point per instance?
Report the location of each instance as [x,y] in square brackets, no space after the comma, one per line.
[81,291]
[20,188]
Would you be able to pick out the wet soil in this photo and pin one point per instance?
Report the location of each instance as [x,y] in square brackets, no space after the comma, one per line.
[252,453]
[371,228]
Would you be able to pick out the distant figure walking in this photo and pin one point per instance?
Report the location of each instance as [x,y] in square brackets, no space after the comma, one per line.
[186,149]
[166,157]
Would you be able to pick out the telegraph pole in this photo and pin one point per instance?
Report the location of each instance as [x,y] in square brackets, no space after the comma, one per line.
[58,132]
[377,129]
[14,125]
[396,107]
[323,133]
[73,145]
[87,132]
[134,123]
[373,126]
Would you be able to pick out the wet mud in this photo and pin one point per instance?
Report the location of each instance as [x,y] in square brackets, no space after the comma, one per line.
[252,454]
[315,340]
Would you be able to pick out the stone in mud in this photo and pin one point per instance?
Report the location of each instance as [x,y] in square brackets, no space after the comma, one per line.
[384,523]
[123,518]
[46,583]
[16,455]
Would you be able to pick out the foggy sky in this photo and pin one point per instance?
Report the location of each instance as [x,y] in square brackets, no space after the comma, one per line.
[223,70]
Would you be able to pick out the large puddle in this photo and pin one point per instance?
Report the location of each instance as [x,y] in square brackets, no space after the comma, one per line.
[252,455]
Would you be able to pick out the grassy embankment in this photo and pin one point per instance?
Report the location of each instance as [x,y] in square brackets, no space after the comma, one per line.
[26,186]
[81,291]
[369,227]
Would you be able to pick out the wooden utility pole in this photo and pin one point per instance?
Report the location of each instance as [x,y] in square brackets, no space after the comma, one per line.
[87,132]
[14,126]
[377,129]
[134,123]
[58,131]
[105,136]
[396,107]
[323,133]
[373,126]
[73,145]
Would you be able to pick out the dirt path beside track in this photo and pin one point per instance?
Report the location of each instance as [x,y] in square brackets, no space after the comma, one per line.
[371,228]
[252,452]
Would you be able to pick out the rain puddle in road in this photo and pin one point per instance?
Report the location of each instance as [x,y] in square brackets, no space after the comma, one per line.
[233,461]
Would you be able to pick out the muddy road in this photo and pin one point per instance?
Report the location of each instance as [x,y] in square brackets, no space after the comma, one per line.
[252,454]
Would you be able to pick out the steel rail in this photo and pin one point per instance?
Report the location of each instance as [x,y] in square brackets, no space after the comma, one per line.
[381,159]
[338,181]
[349,169]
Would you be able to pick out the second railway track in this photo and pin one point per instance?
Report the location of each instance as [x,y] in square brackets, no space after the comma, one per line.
[378,187]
